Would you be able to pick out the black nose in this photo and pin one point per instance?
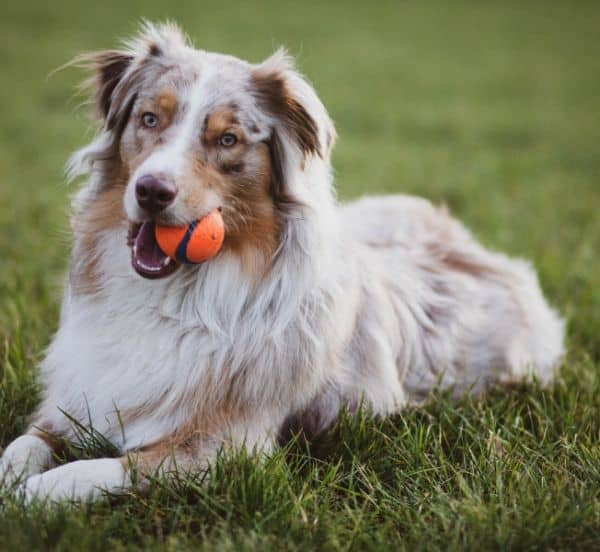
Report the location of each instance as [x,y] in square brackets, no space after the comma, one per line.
[154,193]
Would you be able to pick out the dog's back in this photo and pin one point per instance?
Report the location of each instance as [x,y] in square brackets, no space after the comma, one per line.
[478,316]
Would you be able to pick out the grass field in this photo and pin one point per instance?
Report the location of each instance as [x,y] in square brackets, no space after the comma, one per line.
[490,107]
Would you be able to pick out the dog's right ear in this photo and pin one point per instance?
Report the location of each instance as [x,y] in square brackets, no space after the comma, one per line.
[116,74]
[107,68]
[116,78]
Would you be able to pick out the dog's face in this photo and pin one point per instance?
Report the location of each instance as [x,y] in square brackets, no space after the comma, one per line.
[189,131]
[191,144]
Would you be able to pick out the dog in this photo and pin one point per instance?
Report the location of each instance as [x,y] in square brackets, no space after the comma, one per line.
[310,307]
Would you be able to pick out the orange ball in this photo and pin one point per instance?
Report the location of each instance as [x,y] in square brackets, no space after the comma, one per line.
[195,243]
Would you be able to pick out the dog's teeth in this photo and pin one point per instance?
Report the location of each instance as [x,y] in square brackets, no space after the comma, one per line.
[166,261]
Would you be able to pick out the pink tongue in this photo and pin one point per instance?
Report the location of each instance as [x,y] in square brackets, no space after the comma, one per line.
[147,258]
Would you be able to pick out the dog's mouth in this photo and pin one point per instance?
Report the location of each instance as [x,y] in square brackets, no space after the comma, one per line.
[147,258]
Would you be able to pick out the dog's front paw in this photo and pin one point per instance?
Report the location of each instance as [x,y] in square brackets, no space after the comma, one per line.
[81,480]
[25,456]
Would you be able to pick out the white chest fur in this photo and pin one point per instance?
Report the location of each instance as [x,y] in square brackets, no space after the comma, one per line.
[112,360]
[124,359]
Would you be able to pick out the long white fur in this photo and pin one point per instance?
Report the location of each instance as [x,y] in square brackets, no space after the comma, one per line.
[361,303]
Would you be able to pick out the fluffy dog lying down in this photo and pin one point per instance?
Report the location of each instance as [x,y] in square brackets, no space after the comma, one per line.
[309,307]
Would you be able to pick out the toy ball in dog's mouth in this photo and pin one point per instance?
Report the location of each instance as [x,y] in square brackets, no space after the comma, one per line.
[157,251]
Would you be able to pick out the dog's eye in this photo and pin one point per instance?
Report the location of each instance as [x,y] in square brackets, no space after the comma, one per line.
[149,120]
[227,140]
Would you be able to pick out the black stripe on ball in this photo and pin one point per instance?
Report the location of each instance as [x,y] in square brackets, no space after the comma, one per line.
[181,254]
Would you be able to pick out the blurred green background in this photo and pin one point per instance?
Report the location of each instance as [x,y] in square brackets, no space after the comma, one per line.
[490,107]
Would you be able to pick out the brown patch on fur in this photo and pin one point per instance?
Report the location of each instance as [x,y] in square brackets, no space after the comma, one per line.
[274,97]
[105,212]
[166,102]
[192,443]
[217,123]
[460,262]
[173,454]
[456,251]
[53,441]
[250,213]
[154,50]
[447,234]
[148,460]
[212,409]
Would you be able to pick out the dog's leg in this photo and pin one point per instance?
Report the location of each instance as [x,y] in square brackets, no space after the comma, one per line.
[89,479]
[27,455]
[80,480]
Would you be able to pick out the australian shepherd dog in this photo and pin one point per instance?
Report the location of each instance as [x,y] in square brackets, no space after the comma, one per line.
[310,307]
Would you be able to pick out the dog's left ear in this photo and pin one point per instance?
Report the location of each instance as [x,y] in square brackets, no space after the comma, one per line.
[293,105]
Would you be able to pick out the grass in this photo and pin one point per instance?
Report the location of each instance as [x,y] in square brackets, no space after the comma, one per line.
[490,107]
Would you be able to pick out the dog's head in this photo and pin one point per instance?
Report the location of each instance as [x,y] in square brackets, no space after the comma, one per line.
[187,131]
